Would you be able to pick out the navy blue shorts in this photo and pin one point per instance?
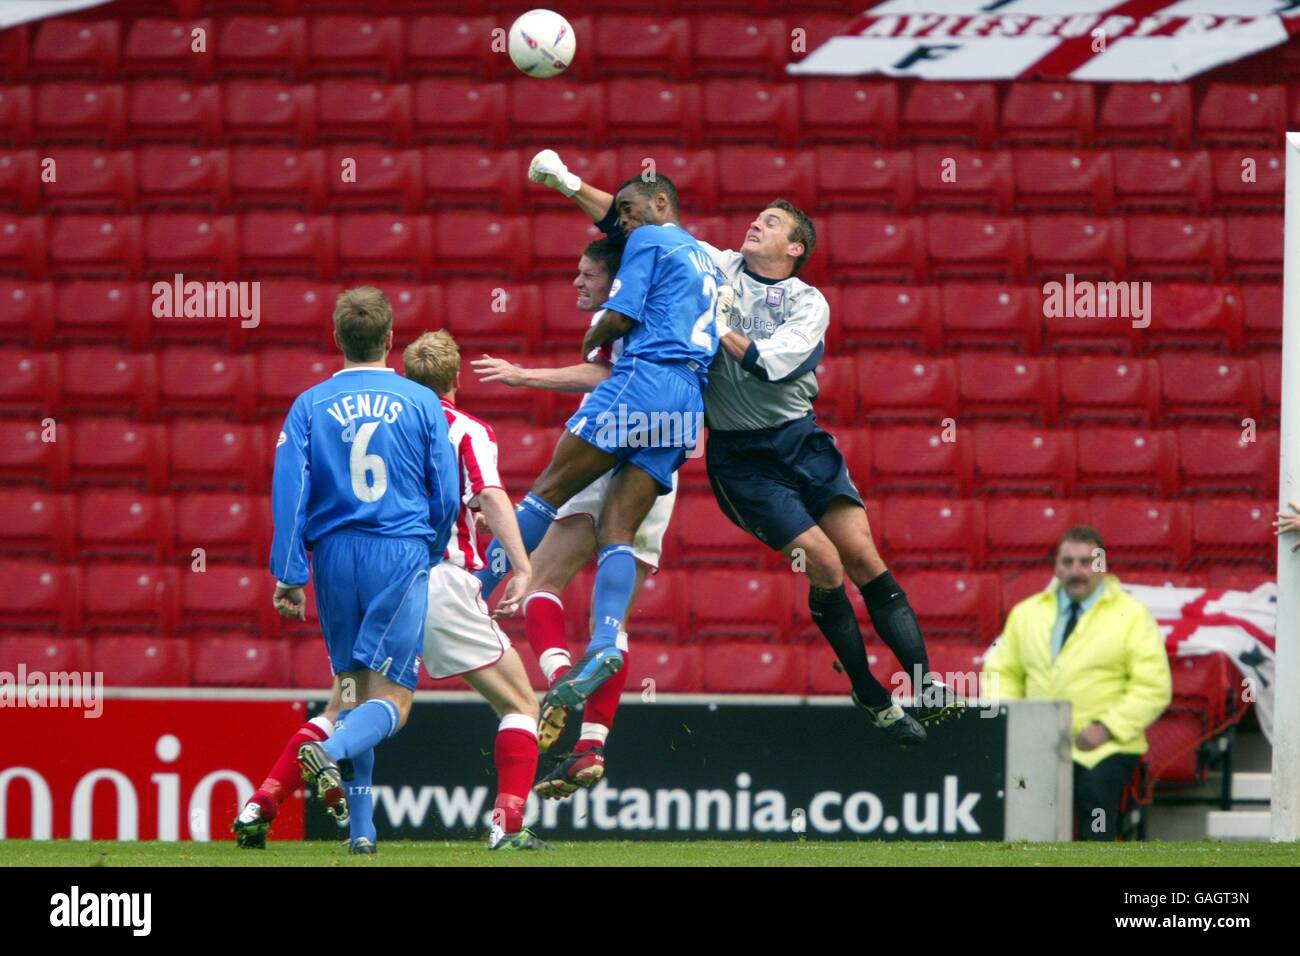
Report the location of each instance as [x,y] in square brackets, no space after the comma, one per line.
[776,483]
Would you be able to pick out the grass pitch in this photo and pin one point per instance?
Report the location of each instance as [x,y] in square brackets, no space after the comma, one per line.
[655,853]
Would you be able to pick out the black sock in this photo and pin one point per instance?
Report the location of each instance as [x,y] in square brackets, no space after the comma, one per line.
[834,616]
[895,622]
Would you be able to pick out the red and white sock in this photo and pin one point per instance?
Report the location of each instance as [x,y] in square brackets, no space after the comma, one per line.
[598,713]
[544,628]
[285,776]
[515,755]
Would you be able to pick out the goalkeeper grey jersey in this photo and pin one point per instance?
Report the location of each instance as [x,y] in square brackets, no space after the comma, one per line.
[786,320]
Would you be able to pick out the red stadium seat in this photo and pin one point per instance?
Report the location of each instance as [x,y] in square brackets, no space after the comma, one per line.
[16,115]
[174,110]
[1162,179]
[704,536]
[948,111]
[1019,460]
[1231,113]
[748,668]
[523,452]
[852,176]
[1139,531]
[102,311]
[385,243]
[31,453]
[1064,179]
[414,309]
[466,175]
[36,522]
[262,46]
[45,655]
[960,665]
[27,316]
[228,596]
[740,604]
[1255,247]
[1209,387]
[131,597]
[826,675]
[752,110]
[364,109]
[1191,315]
[20,181]
[876,246]
[1085,246]
[915,459]
[1040,112]
[1205,682]
[175,176]
[659,612]
[23,246]
[1233,577]
[208,454]
[591,165]
[977,246]
[206,381]
[29,382]
[1018,586]
[287,242]
[450,43]
[664,669]
[269,110]
[1109,389]
[124,524]
[991,315]
[1270,366]
[130,661]
[1176,247]
[284,373]
[955,606]
[190,243]
[381,178]
[1008,386]
[936,532]
[98,378]
[751,176]
[474,244]
[1248,178]
[118,451]
[281,176]
[87,246]
[356,44]
[1026,531]
[745,45]
[848,109]
[711,229]
[1127,460]
[451,108]
[1157,113]
[563,326]
[557,111]
[488,400]
[1262,305]
[1233,530]
[77,112]
[90,179]
[953,176]
[296,311]
[486,315]
[1218,461]
[1158,578]
[310,665]
[226,526]
[155,46]
[241,662]
[39,595]
[641,43]
[651,110]
[888,316]
[903,388]
[68,48]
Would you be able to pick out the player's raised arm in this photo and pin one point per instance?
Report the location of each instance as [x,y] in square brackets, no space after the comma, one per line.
[548,169]
[499,514]
[290,493]
[582,377]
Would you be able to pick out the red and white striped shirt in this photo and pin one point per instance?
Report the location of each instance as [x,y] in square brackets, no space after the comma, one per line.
[476,449]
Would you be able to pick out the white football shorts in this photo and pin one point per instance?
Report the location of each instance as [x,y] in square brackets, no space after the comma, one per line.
[459,633]
[648,544]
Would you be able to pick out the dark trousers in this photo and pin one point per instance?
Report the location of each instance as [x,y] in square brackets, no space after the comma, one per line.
[1097,793]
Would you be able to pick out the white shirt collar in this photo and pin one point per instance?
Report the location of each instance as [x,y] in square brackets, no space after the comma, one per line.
[384,369]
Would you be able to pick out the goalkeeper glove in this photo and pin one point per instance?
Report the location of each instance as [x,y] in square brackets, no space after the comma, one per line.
[725,308]
[548,169]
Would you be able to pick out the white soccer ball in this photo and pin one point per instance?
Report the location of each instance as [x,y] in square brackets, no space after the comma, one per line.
[542,43]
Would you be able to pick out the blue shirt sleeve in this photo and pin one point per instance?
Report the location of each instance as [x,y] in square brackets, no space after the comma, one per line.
[635,274]
[290,493]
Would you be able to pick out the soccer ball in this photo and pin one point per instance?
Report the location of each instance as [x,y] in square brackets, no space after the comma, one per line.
[542,43]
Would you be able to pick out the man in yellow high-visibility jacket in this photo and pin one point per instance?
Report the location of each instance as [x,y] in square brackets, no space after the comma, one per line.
[1086,640]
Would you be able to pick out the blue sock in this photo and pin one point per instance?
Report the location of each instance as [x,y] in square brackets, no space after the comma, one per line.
[366,726]
[615,579]
[534,516]
[361,801]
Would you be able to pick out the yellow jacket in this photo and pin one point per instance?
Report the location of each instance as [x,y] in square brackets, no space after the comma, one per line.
[1113,668]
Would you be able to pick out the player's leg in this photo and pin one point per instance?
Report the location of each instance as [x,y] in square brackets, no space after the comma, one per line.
[504,685]
[568,545]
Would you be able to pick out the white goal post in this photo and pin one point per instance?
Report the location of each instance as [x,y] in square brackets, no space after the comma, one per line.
[1285,802]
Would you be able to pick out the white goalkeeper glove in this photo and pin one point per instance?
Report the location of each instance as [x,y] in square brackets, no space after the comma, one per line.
[725,308]
[548,169]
